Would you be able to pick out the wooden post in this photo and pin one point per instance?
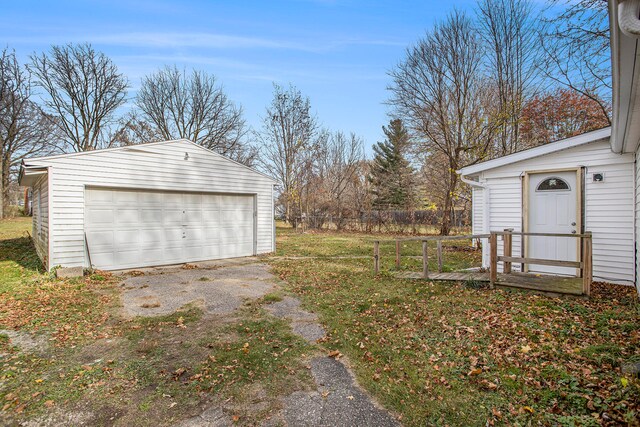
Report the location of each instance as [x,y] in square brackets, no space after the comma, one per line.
[439,256]
[507,242]
[376,257]
[587,266]
[493,264]
[425,260]
[397,254]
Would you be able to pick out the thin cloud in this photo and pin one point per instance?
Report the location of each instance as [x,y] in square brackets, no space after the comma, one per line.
[203,40]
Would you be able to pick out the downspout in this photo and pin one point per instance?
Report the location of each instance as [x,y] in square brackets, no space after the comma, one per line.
[629,23]
[486,217]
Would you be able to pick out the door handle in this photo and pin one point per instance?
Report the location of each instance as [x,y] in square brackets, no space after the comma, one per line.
[573,231]
[573,224]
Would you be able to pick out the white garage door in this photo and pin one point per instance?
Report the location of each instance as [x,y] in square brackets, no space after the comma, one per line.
[131,228]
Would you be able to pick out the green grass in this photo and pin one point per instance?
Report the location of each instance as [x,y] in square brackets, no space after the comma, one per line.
[18,258]
[272,297]
[457,254]
[447,354]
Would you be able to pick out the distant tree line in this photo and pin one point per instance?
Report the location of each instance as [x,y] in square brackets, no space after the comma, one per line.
[476,86]
[503,79]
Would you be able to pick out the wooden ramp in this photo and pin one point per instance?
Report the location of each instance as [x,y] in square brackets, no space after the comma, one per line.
[536,282]
[456,276]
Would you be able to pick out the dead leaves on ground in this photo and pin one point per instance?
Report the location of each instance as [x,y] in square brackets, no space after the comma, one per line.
[542,357]
[70,310]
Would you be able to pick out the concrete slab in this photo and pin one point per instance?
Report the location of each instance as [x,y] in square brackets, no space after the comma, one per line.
[218,291]
[211,264]
[339,401]
[211,417]
[303,323]
[69,272]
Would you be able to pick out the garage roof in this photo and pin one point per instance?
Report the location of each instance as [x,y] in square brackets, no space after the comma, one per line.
[31,164]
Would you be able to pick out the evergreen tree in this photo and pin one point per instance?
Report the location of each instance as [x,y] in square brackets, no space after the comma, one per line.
[392,176]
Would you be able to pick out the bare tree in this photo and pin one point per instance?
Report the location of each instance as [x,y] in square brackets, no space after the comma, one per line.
[337,160]
[131,130]
[83,90]
[439,91]
[577,50]
[25,130]
[192,106]
[287,143]
[509,29]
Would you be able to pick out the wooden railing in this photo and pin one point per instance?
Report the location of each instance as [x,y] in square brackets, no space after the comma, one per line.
[585,264]
[425,250]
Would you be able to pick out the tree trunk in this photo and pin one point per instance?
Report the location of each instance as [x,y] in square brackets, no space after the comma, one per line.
[445,226]
[5,187]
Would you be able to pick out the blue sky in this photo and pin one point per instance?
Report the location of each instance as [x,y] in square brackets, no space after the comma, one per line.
[336,52]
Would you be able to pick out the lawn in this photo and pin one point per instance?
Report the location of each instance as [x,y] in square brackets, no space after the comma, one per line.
[17,258]
[452,354]
[88,365]
[433,353]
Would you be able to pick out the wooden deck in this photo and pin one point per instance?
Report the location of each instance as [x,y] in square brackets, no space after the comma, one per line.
[536,282]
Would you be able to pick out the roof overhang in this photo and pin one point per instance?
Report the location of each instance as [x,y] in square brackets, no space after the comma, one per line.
[552,147]
[29,175]
[625,64]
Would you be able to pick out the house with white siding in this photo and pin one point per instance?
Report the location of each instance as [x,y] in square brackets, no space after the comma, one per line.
[587,183]
[146,205]
[564,187]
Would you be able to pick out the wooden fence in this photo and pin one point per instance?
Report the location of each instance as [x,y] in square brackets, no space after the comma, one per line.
[425,250]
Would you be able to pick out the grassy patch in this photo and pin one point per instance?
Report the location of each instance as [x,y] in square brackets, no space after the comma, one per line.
[457,254]
[18,258]
[447,354]
[262,348]
[272,297]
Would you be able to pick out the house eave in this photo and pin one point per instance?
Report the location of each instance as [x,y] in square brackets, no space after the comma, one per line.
[29,175]
[542,150]
[625,55]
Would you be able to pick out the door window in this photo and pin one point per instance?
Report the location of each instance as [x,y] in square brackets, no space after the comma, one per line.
[553,184]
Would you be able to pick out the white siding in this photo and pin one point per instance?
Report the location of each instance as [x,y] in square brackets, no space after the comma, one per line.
[609,212]
[153,167]
[609,205]
[505,202]
[40,222]
[476,209]
[637,214]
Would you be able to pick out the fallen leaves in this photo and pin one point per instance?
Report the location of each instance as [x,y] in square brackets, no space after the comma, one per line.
[180,322]
[335,354]
[418,342]
[476,371]
[70,310]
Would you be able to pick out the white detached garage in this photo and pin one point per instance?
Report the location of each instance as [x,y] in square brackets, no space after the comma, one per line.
[145,205]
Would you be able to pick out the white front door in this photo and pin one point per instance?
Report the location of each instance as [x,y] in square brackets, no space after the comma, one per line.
[138,228]
[553,208]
